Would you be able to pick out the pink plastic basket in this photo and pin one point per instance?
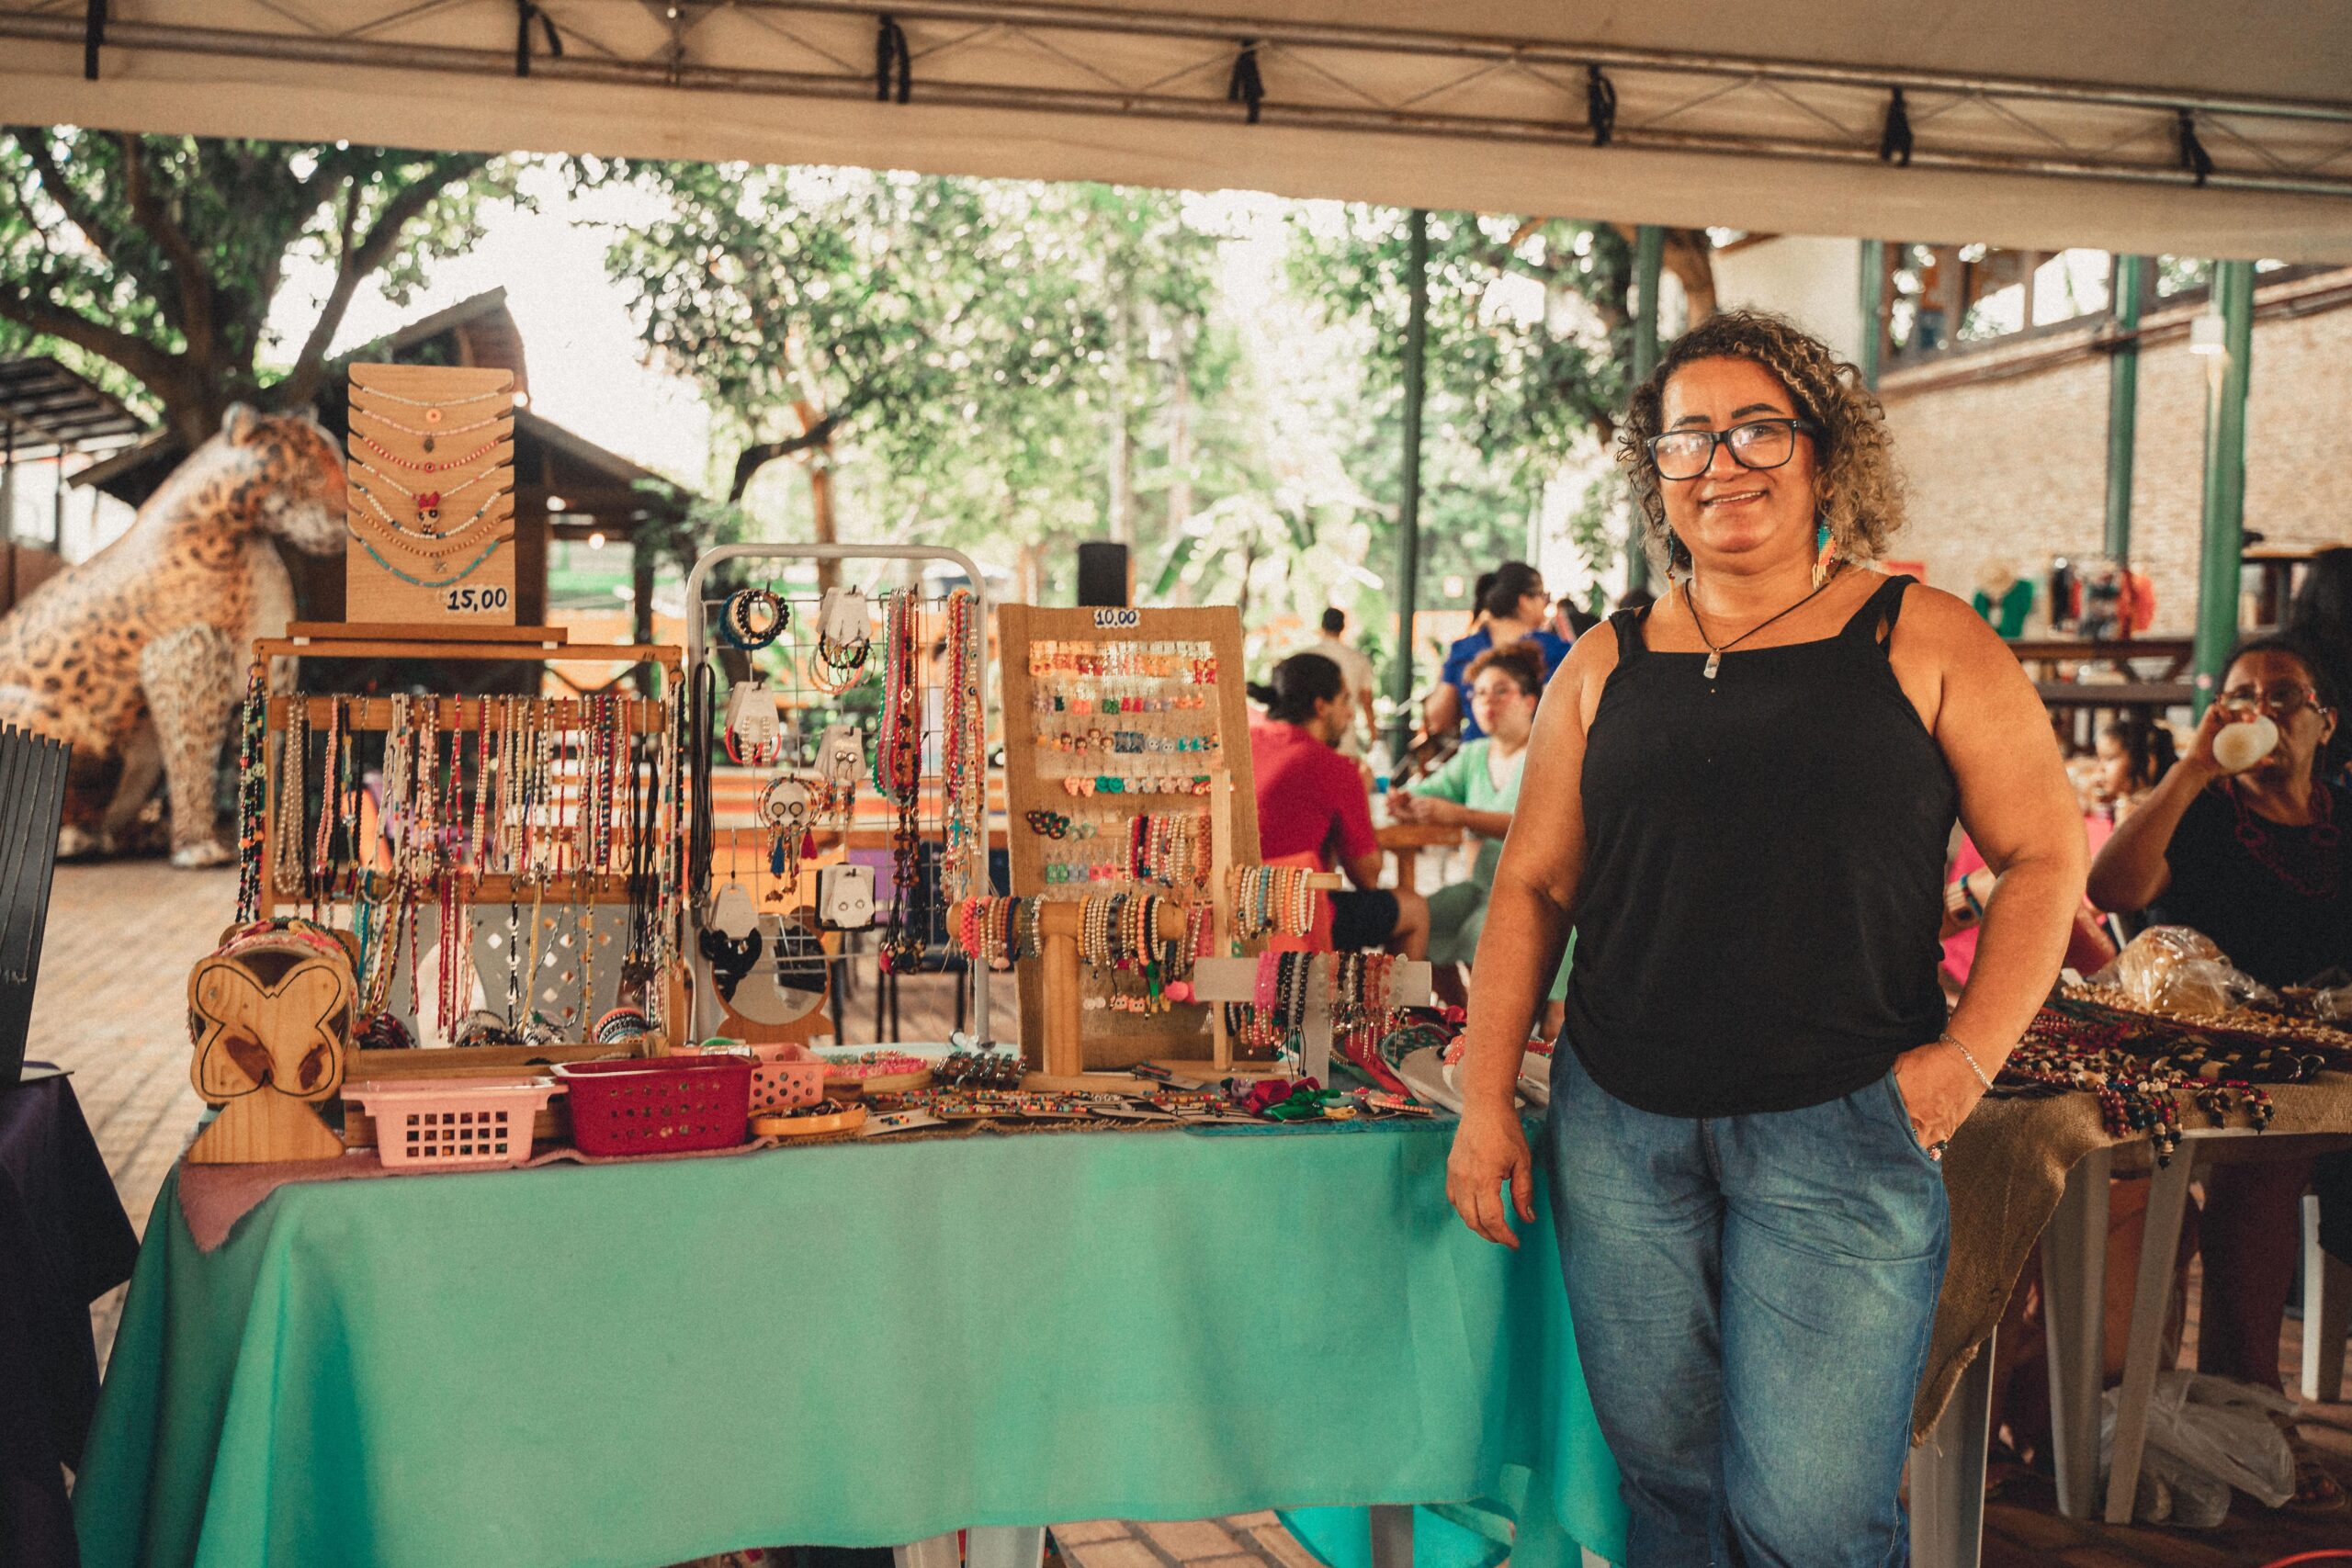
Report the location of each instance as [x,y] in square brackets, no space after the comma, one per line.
[786,1086]
[658,1105]
[422,1126]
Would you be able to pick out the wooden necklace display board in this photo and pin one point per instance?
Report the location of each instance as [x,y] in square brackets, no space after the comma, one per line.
[645,726]
[1122,655]
[430,504]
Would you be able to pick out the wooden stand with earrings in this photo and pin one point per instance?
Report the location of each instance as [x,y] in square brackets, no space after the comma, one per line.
[1069,675]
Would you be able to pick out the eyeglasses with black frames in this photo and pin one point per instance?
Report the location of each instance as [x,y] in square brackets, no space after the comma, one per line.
[2283,700]
[1756,443]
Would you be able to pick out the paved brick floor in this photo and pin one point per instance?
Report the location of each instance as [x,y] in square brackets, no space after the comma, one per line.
[112,1006]
[1246,1541]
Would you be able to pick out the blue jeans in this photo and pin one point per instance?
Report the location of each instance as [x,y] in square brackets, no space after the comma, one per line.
[1752,1298]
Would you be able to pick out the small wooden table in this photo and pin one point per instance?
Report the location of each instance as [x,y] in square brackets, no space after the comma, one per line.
[2277,563]
[2075,705]
[2041,655]
[1406,840]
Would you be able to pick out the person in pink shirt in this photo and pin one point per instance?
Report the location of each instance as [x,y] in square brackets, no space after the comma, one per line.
[1312,800]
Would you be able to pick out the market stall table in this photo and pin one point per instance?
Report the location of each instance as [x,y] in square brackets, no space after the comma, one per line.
[65,1241]
[2009,1166]
[854,1345]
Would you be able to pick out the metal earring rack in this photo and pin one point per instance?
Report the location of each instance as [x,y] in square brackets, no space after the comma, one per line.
[698,647]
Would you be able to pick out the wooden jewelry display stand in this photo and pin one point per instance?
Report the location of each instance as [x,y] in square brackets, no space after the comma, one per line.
[1051,996]
[272,1022]
[1224,980]
[606,886]
[785,662]
[1063,1010]
[430,504]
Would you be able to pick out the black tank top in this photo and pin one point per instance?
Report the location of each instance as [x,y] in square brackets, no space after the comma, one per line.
[1763,880]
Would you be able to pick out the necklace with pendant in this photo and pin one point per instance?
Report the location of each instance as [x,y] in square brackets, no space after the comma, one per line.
[424,538]
[428,502]
[1716,650]
[431,419]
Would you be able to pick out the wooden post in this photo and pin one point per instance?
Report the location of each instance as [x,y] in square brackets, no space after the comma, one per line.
[1220,902]
[1065,1052]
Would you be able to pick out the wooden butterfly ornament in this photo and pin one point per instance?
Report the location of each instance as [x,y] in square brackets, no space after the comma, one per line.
[272,1015]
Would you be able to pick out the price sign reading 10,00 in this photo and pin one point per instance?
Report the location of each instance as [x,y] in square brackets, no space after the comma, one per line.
[479,600]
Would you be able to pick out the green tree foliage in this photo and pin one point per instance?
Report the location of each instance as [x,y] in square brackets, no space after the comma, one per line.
[973,361]
[152,260]
[1528,342]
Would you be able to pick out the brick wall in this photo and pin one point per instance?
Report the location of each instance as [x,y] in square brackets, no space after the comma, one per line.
[2005,450]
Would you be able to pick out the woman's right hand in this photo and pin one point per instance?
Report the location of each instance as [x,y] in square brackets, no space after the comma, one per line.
[1490,1151]
[2197,755]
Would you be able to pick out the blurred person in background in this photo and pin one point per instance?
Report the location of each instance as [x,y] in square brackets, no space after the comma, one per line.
[1356,671]
[1477,789]
[1312,803]
[1516,609]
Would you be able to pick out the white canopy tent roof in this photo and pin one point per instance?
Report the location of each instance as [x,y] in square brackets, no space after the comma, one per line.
[2033,124]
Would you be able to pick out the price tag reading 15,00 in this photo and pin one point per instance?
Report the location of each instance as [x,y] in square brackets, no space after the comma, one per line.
[475,601]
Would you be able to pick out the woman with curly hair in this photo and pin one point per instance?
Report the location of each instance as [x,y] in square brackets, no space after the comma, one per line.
[1739,800]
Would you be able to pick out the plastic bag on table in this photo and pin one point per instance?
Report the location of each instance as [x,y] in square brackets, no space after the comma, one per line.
[2175,970]
[2333,1005]
[2205,1434]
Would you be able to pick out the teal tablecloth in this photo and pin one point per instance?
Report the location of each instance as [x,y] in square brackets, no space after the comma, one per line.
[854,1345]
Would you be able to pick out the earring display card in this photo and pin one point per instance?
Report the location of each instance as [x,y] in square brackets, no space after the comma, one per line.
[431,499]
[1127,738]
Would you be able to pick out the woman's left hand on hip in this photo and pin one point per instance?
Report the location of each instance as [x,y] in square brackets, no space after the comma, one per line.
[1939,1090]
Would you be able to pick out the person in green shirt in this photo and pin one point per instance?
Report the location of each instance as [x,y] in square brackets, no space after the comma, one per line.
[1477,788]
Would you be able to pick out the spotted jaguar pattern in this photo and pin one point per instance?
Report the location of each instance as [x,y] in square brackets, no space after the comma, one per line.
[136,656]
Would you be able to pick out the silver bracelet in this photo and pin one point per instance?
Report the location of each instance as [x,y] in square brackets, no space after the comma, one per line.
[1966,1056]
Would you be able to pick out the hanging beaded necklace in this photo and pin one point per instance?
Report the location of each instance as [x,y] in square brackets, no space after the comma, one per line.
[964,763]
[898,774]
[429,435]
[288,869]
[2320,882]
[334,767]
[459,576]
[432,543]
[253,789]
[386,454]
[437,404]
[428,503]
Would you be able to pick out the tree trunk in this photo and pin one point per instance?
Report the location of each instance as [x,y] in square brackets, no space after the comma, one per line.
[1122,464]
[1689,256]
[1180,447]
[820,459]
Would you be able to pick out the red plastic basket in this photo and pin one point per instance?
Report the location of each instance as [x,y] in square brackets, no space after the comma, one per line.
[658,1105]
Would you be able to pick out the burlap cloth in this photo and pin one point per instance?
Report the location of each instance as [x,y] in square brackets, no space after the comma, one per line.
[2005,1172]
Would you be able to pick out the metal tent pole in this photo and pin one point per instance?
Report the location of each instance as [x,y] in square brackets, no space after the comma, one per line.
[1408,505]
[1873,303]
[1649,258]
[2221,559]
[2123,404]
